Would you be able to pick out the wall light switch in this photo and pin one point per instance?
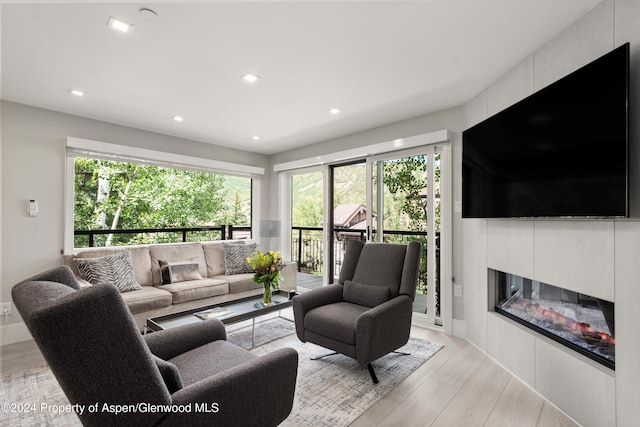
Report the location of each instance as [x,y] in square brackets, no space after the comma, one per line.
[32,207]
[6,308]
[457,291]
[457,206]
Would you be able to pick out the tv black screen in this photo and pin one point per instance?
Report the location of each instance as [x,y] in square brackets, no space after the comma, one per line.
[561,152]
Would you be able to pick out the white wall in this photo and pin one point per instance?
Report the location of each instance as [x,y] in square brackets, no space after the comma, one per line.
[32,166]
[599,257]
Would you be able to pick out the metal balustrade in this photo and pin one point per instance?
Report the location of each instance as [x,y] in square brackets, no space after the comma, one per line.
[165,235]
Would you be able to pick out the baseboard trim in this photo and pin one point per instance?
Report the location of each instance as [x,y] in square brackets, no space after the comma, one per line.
[16,332]
[421,321]
[459,329]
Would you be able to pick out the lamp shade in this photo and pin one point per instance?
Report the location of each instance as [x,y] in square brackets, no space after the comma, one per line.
[270,228]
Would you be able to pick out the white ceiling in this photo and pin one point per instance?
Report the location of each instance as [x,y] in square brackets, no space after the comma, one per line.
[379,62]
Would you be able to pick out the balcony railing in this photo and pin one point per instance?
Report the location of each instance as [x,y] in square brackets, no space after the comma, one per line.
[307,249]
[160,235]
[307,245]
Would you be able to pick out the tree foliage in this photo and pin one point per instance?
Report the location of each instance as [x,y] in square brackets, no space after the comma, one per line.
[405,198]
[117,195]
[307,200]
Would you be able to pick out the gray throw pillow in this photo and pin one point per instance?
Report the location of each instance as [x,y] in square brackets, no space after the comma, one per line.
[367,295]
[179,271]
[116,270]
[235,258]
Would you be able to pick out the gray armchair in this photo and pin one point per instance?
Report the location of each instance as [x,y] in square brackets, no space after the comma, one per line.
[367,314]
[93,347]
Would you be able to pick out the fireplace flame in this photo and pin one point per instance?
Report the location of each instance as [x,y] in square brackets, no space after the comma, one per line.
[589,334]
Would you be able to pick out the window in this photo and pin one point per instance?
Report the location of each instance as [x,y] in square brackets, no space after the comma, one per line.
[141,193]
[110,195]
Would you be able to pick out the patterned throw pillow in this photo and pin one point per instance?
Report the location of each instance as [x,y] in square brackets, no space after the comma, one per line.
[235,258]
[116,270]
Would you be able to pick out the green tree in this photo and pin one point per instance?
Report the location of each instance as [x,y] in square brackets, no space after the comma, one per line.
[117,195]
[307,196]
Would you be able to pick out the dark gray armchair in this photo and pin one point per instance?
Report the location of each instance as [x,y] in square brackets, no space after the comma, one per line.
[367,314]
[93,347]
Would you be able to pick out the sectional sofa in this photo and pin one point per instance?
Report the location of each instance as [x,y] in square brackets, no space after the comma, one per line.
[203,273]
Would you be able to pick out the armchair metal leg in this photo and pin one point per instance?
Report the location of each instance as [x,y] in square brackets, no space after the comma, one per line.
[372,373]
[369,366]
[324,355]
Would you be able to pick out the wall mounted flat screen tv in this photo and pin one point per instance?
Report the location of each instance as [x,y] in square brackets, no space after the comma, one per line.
[561,152]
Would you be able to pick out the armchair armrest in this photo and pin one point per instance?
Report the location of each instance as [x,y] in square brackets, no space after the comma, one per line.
[173,342]
[383,328]
[258,392]
[304,302]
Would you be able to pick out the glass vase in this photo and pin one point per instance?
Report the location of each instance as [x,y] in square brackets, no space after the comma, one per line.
[267,298]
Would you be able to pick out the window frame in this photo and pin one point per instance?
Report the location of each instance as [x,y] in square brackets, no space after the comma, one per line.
[77,147]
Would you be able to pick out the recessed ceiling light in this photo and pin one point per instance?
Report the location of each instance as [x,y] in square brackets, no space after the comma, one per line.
[76,92]
[255,137]
[250,77]
[148,14]
[178,118]
[335,111]
[117,24]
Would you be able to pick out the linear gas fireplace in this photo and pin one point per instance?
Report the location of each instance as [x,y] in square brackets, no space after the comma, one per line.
[578,321]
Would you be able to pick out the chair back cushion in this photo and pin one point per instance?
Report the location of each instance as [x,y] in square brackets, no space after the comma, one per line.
[381,264]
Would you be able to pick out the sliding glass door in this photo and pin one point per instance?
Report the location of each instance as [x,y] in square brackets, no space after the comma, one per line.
[306,231]
[390,199]
[350,210]
[410,195]
[396,197]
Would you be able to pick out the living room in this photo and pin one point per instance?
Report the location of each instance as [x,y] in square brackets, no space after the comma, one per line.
[604,252]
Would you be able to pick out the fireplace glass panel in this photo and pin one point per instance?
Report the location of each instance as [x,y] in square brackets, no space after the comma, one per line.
[579,321]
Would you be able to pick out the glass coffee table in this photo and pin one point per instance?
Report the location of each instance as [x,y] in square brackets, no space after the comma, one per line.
[228,312]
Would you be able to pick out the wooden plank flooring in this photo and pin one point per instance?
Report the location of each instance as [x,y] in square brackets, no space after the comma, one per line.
[459,386]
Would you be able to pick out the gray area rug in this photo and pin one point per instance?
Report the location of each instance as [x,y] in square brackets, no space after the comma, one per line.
[332,391]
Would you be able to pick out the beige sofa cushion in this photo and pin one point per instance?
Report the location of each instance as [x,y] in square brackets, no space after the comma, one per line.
[196,289]
[139,256]
[240,282]
[214,255]
[147,298]
[176,252]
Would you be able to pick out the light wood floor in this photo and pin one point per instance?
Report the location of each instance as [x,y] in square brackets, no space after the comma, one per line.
[459,386]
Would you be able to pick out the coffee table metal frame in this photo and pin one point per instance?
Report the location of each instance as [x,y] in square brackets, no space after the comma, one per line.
[240,310]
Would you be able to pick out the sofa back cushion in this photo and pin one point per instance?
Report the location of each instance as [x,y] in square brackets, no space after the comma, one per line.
[214,255]
[176,252]
[139,257]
